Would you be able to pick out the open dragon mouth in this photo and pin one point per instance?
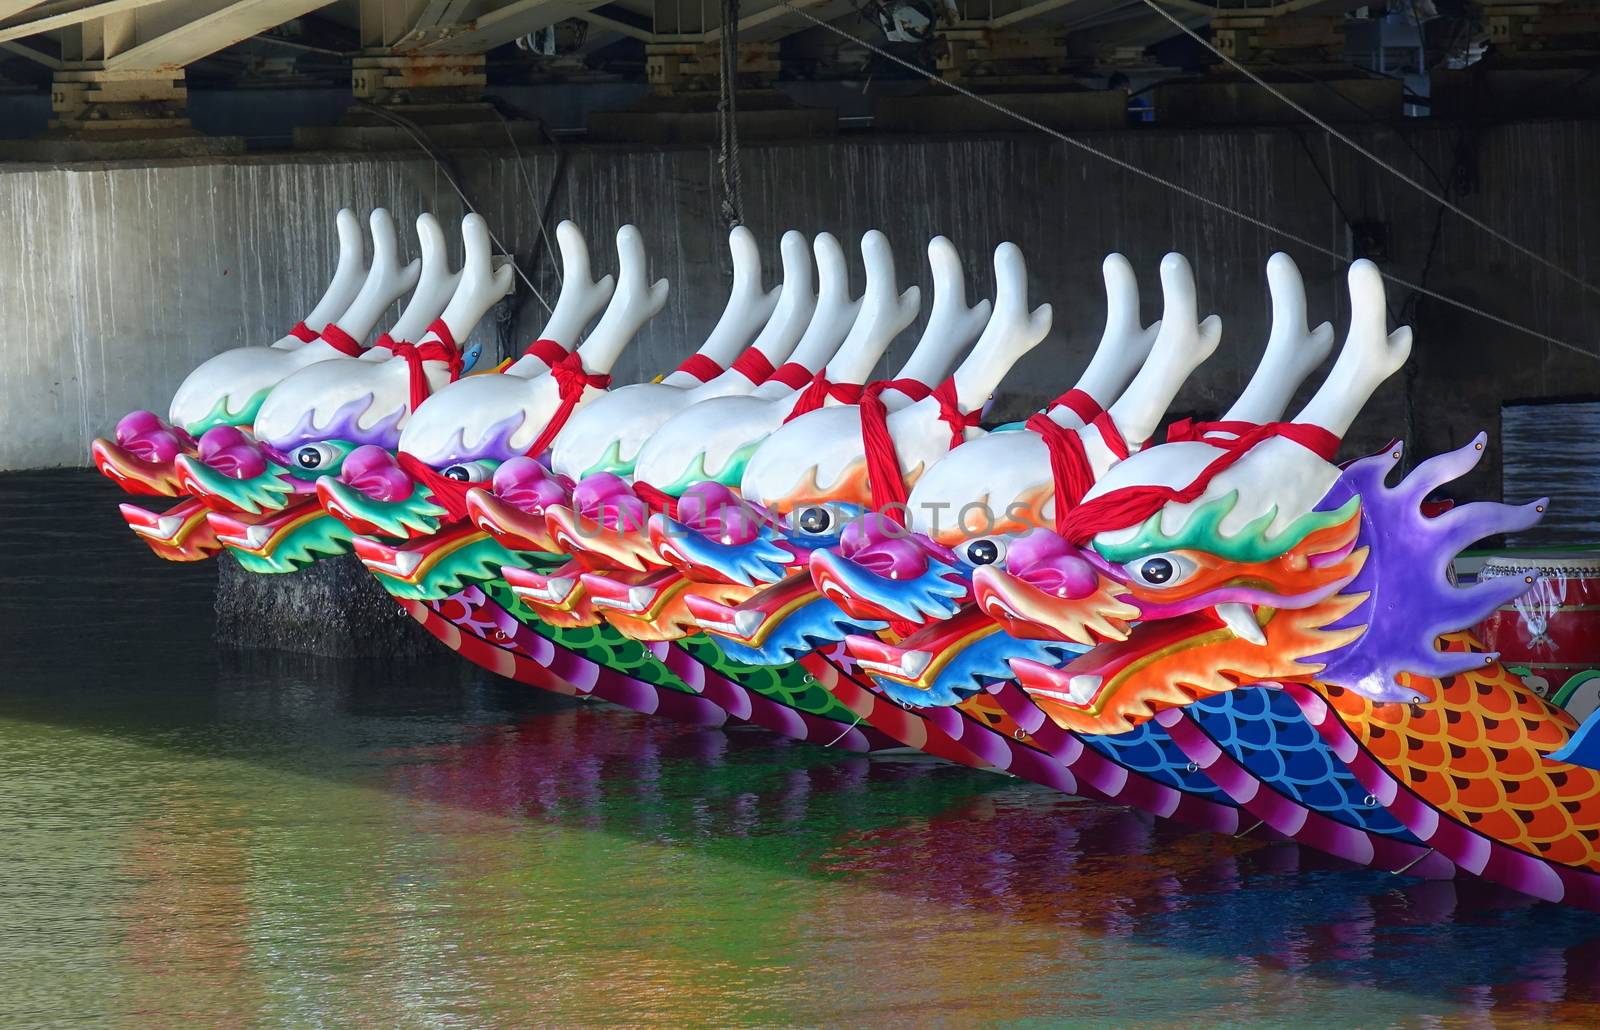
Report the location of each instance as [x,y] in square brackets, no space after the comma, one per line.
[181,533]
[133,473]
[1117,685]
[557,596]
[779,623]
[281,541]
[946,662]
[516,529]
[861,592]
[599,544]
[763,559]
[1029,612]
[437,566]
[412,517]
[266,492]
[654,605]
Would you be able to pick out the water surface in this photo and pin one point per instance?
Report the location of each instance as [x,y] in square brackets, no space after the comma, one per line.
[193,834]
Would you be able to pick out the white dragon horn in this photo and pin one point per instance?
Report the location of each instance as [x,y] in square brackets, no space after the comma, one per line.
[884,312]
[1124,343]
[1180,346]
[831,318]
[434,287]
[634,303]
[582,297]
[1011,332]
[951,324]
[748,308]
[1292,353]
[387,281]
[1370,355]
[348,274]
[795,304]
[482,285]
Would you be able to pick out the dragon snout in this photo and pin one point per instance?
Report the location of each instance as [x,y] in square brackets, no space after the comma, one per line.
[608,501]
[148,437]
[529,487]
[1052,566]
[719,514]
[226,449]
[374,472]
[882,548]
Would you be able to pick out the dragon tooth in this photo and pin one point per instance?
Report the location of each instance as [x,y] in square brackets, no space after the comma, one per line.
[257,537]
[1081,688]
[747,622]
[912,663]
[407,561]
[1242,620]
[639,598]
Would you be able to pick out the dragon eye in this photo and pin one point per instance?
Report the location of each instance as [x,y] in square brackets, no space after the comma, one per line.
[1159,570]
[815,520]
[469,472]
[315,456]
[985,550]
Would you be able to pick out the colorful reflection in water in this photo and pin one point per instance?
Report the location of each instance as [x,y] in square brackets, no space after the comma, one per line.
[193,835]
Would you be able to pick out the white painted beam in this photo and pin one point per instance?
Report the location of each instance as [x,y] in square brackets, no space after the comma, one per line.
[66,19]
[206,35]
[505,23]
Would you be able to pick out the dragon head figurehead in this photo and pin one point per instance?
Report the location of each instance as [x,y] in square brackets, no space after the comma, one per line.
[227,390]
[1197,566]
[261,486]
[821,474]
[1017,484]
[408,505]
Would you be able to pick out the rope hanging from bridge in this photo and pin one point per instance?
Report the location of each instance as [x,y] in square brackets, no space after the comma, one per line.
[728,115]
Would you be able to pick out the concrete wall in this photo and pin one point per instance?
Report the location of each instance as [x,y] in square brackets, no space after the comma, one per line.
[118,279]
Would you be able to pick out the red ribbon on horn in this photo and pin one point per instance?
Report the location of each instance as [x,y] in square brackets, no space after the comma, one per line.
[701,367]
[754,366]
[885,478]
[816,394]
[792,374]
[571,381]
[302,332]
[341,341]
[1131,505]
[442,348]
[547,351]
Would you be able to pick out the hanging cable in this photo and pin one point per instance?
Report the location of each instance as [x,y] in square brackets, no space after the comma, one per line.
[1460,212]
[1179,188]
[417,134]
[728,115]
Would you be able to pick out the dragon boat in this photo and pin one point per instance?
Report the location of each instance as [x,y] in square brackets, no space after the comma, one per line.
[1225,627]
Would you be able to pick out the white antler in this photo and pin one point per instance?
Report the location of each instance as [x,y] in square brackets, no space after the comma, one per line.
[796,301]
[634,303]
[747,310]
[387,281]
[831,318]
[481,283]
[1124,343]
[1370,355]
[884,312]
[1012,331]
[1180,346]
[1293,351]
[582,297]
[435,286]
[951,324]
[347,275]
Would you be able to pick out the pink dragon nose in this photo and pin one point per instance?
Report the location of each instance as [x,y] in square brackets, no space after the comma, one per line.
[718,513]
[146,436]
[1045,561]
[528,486]
[883,548]
[375,472]
[608,500]
[229,451]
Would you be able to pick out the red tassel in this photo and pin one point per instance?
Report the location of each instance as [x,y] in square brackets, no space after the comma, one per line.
[571,381]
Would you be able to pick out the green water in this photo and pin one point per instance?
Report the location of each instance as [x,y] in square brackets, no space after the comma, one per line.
[192,835]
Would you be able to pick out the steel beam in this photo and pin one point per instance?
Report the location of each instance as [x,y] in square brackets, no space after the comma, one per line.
[206,35]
